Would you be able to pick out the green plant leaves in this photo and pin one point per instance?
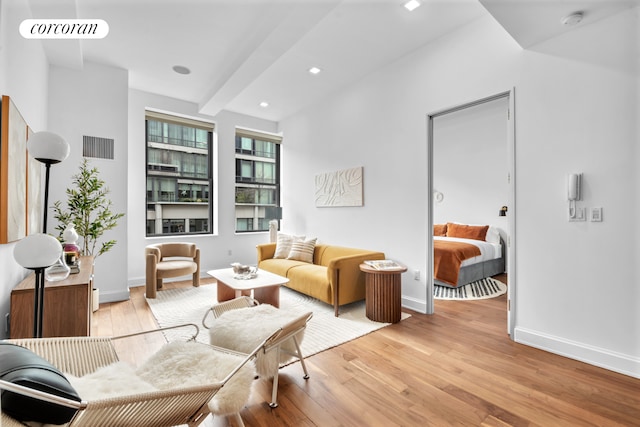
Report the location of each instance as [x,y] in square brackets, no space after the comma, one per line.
[89,209]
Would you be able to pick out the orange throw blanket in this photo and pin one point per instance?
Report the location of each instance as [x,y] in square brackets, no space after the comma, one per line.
[447,257]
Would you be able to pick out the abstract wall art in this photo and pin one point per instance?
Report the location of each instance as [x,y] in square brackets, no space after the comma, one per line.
[340,188]
[20,205]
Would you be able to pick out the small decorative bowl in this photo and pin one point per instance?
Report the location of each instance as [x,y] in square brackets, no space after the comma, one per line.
[242,271]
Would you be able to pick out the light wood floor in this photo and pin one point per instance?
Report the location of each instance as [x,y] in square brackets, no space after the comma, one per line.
[457,367]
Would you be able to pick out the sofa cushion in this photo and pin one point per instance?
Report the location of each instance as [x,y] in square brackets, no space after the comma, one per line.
[279,266]
[175,268]
[302,250]
[311,280]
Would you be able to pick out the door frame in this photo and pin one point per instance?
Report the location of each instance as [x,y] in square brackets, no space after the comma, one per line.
[511,199]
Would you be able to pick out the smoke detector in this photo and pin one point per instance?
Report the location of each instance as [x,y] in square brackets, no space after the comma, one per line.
[573,19]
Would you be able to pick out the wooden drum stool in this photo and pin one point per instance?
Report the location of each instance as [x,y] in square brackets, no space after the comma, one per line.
[383,293]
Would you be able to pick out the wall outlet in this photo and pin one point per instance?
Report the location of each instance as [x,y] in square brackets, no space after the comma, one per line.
[416,274]
[229,252]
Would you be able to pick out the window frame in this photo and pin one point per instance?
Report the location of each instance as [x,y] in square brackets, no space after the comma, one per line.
[254,158]
[182,152]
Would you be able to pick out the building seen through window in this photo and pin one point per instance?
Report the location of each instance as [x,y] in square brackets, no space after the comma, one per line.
[179,178]
[257,192]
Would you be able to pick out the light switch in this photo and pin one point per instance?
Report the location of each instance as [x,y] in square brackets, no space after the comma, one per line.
[596,214]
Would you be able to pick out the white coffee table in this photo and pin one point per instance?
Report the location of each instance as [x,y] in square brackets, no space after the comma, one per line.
[265,286]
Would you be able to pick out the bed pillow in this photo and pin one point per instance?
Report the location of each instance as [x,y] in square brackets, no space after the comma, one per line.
[283,245]
[463,231]
[19,365]
[302,250]
[493,235]
[440,230]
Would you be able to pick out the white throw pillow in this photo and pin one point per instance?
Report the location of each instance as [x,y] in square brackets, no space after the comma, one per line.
[283,245]
[302,250]
[493,235]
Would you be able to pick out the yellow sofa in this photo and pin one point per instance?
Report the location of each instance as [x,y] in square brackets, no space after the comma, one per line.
[334,277]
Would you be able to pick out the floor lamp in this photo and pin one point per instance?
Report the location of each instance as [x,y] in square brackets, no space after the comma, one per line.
[40,251]
[48,148]
[37,252]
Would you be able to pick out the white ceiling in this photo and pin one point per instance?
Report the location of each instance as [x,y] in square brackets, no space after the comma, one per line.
[242,52]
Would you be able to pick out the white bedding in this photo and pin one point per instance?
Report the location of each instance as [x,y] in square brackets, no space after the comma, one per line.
[488,251]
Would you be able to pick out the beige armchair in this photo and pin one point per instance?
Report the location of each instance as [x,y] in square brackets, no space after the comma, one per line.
[170,260]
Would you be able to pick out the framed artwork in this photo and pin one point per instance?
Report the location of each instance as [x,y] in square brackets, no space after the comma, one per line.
[13,173]
[340,188]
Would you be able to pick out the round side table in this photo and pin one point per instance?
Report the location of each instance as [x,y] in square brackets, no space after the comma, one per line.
[383,293]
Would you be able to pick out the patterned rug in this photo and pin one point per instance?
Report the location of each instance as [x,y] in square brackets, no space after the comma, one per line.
[324,330]
[482,289]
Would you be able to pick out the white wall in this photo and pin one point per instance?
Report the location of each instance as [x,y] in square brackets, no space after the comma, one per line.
[576,116]
[470,165]
[576,283]
[24,78]
[214,249]
[93,102]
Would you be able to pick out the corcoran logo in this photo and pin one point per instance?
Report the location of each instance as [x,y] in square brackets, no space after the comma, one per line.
[64,29]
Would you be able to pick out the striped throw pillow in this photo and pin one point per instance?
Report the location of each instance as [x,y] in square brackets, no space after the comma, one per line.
[283,245]
[302,250]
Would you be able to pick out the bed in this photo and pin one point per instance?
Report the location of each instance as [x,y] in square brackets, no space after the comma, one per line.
[465,253]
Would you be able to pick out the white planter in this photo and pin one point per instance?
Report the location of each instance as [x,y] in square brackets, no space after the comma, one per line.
[95,298]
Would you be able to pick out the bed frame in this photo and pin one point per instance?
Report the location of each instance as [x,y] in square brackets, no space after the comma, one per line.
[474,272]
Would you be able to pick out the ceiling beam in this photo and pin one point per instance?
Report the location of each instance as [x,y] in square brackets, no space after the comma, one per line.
[294,24]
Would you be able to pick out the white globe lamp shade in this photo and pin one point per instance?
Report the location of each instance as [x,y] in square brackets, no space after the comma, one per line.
[48,147]
[37,251]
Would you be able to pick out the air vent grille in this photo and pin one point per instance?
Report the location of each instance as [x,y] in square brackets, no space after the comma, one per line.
[99,148]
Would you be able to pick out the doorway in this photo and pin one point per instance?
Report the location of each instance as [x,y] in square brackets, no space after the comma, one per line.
[468,163]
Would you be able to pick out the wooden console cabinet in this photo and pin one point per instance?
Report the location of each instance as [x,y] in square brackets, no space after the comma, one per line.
[67,305]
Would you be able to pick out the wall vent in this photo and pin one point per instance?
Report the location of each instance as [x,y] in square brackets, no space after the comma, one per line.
[99,148]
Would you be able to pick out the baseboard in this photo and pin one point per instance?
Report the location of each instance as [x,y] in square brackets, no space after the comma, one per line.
[136,281]
[603,358]
[140,281]
[113,296]
[414,304]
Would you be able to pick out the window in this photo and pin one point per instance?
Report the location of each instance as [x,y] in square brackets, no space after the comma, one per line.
[179,178]
[257,180]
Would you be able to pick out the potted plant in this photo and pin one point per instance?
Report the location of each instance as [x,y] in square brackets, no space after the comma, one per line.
[88,209]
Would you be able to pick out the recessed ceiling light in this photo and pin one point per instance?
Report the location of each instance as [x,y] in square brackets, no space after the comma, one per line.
[411,5]
[572,19]
[314,70]
[264,104]
[181,69]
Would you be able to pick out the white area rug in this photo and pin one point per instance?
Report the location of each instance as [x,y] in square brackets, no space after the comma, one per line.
[481,289]
[324,330]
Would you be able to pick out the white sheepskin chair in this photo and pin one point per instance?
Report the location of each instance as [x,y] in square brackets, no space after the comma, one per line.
[243,329]
[185,363]
[195,363]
